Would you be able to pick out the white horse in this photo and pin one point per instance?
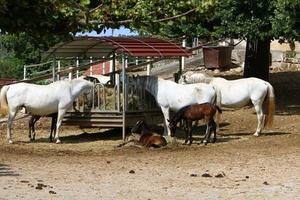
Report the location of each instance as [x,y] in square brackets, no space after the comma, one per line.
[41,100]
[239,93]
[170,95]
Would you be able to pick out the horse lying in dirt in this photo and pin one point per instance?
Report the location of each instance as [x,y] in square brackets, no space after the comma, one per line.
[141,135]
[194,112]
[34,118]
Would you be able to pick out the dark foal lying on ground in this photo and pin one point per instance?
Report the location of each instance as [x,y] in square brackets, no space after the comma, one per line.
[194,112]
[34,118]
[141,135]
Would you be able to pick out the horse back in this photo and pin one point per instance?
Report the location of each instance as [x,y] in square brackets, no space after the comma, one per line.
[200,111]
[38,99]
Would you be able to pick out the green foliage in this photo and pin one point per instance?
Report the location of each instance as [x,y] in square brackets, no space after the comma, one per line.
[11,67]
[35,25]
[244,19]
[286,21]
[41,17]
[21,49]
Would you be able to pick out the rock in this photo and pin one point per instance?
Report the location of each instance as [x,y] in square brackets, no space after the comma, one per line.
[24,181]
[247,177]
[52,192]
[206,175]
[266,183]
[193,175]
[131,172]
[39,187]
[220,175]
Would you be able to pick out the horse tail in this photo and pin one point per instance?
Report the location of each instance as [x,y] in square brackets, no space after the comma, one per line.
[3,101]
[269,105]
[218,106]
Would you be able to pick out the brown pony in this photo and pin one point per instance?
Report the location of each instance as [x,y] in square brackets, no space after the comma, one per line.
[194,112]
[34,118]
[141,135]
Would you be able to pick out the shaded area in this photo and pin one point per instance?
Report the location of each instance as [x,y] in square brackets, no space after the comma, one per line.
[287,86]
[112,134]
[5,170]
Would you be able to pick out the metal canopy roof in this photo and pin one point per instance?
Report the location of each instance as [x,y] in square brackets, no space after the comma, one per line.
[105,46]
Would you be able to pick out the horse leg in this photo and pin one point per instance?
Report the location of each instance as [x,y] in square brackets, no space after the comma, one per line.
[30,126]
[60,116]
[214,129]
[189,128]
[35,119]
[53,127]
[207,134]
[260,118]
[165,112]
[11,116]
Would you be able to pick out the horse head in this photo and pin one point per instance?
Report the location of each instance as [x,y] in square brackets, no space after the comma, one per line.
[81,85]
[172,127]
[140,127]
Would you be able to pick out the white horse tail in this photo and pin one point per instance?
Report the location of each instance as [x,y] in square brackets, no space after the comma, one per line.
[269,105]
[218,105]
[3,101]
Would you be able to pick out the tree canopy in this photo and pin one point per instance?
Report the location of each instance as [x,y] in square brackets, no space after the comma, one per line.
[43,22]
[203,18]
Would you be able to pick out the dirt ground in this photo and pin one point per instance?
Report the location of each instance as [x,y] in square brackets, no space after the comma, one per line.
[88,165]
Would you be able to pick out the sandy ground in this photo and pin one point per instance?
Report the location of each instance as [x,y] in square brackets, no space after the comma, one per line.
[88,165]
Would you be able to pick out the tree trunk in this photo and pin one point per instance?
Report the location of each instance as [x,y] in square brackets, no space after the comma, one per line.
[257,59]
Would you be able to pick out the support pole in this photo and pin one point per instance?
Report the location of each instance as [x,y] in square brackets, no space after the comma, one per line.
[124,66]
[182,57]
[149,67]
[77,66]
[113,69]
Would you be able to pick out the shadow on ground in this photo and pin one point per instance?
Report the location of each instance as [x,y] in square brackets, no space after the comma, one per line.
[5,170]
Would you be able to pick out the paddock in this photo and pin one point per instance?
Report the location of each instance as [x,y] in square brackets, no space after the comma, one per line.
[89,165]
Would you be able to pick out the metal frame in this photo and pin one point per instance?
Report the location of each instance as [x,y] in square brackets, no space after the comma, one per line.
[151,49]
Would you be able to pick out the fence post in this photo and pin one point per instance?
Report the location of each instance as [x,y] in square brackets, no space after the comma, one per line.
[182,57]
[24,73]
[91,67]
[53,70]
[58,70]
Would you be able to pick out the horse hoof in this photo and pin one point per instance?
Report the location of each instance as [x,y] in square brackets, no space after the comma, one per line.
[205,142]
[256,134]
[58,141]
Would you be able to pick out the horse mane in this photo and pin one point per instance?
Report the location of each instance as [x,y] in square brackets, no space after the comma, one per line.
[178,115]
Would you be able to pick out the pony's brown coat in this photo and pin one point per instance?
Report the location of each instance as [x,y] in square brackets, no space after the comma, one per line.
[194,112]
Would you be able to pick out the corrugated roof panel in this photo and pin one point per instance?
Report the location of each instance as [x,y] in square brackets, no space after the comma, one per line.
[104,46]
